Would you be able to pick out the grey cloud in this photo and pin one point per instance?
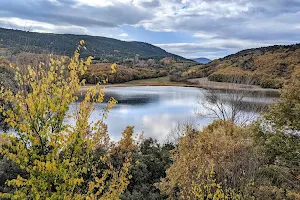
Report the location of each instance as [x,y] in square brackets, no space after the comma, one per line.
[194,50]
[65,12]
[212,49]
[270,20]
[151,4]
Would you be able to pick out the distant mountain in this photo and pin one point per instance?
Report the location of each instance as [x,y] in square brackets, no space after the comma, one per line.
[65,44]
[270,67]
[202,60]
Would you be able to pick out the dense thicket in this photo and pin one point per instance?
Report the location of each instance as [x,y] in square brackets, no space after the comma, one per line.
[6,81]
[150,162]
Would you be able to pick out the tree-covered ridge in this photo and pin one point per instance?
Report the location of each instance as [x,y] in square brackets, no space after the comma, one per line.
[270,67]
[64,44]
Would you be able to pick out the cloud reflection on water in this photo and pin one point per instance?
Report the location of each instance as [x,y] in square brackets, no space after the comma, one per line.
[155,111]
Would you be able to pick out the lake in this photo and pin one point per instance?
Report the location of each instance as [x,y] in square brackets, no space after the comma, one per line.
[157,110]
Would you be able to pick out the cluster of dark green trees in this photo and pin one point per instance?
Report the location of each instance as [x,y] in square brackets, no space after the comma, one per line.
[150,162]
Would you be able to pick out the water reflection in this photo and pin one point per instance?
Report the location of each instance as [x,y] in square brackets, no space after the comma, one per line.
[155,111]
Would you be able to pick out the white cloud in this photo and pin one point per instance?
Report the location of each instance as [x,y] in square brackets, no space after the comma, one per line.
[212,48]
[42,27]
[54,2]
[204,35]
[98,3]
[123,35]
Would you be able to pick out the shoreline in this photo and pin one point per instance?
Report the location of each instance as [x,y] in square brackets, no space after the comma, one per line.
[195,83]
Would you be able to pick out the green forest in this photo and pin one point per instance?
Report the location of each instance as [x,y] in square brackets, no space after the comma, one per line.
[101,48]
[45,158]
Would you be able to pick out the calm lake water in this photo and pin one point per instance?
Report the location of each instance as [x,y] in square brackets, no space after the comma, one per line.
[156,110]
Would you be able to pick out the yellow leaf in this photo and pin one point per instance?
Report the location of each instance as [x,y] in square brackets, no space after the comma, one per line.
[113,68]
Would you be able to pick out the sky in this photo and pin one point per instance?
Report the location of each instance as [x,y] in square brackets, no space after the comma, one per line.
[189,28]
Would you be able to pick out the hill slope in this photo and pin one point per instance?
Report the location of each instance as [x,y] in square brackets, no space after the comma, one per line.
[269,67]
[202,60]
[65,44]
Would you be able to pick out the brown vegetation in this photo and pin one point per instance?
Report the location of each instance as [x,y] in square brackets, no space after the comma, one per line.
[269,67]
[101,71]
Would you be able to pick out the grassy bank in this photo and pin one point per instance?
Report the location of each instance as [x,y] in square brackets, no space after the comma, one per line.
[153,81]
[205,83]
[198,83]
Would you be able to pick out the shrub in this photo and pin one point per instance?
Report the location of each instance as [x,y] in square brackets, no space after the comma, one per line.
[60,161]
[219,161]
[271,83]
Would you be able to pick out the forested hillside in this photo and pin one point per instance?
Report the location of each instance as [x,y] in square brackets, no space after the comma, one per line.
[101,48]
[270,67]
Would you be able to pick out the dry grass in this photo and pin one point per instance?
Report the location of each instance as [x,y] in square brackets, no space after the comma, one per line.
[205,83]
[198,83]
[161,80]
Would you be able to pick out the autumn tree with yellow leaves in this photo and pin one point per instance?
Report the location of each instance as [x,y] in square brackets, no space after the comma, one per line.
[59,160]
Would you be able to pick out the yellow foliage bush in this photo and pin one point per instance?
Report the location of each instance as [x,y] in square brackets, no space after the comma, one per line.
[58,159]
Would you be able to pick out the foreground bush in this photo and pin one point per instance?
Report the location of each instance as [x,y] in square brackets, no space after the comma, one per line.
[149,163]
[59,161]
[217,163]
